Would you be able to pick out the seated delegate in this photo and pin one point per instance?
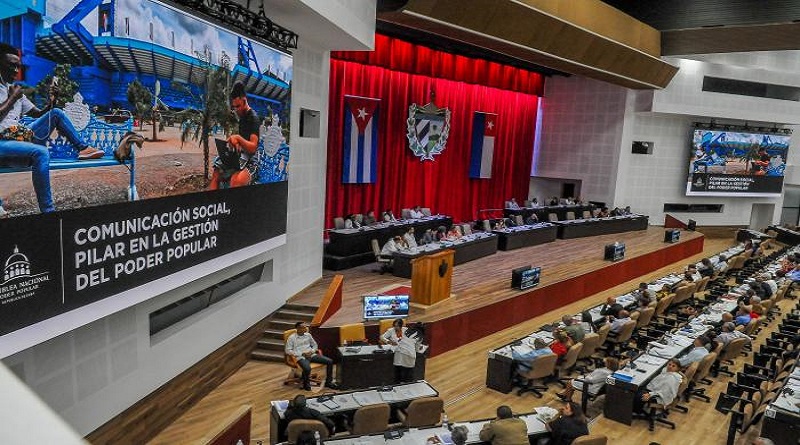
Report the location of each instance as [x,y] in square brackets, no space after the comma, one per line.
[505,429]
[595,380]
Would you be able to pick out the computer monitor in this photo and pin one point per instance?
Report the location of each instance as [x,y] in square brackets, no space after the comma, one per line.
[525,277]
[672,235]
[614,252]
[377,307]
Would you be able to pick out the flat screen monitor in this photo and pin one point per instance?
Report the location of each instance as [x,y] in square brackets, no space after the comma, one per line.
[377,307]
[672,235]
[614,252]
[737,163]
[525,277]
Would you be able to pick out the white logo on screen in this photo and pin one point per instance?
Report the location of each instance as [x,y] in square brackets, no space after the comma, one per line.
[18,281]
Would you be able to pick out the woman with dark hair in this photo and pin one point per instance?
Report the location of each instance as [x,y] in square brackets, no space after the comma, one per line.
[569,425]
[306,438]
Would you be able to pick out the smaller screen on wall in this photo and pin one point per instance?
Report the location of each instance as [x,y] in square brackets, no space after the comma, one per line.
[734,163]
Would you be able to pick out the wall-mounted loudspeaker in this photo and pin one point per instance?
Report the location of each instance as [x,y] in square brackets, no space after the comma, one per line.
[642,148]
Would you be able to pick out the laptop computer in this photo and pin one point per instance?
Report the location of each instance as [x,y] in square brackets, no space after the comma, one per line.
[229,157]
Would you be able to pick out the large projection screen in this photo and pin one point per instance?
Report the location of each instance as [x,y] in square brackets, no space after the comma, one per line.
[736,163]
[117,235]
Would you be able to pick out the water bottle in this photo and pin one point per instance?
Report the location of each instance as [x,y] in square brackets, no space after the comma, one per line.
[317,438]
[445,422]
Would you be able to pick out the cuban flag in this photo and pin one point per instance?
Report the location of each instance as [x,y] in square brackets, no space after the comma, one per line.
[360,140]
[484,129]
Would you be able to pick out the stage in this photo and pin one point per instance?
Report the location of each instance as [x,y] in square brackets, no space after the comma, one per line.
[482,301]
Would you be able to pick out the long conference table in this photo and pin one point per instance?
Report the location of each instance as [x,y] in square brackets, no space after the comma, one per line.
[371,365]
[782,418]
[518,237]
[349,402]
[468,248]
[543,212]
[578,228]
[439,435]
[346,242]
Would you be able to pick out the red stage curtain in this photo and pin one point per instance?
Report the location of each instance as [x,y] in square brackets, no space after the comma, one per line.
[399,55]
[444,184]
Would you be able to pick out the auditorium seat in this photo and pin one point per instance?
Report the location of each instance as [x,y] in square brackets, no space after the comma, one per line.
[729,354]
[565,367]
[405,213]
[570,215]
[294,375]
[591,439]
[552,217]
[590,344]
[518,220]
[700,376]
[297,426]
[384,262]
[487,225]
[352,333]
[466,229]
[617,343]
[543,366]
[586,214]
[426,211]
[370,419]
[338,222]
[426,411]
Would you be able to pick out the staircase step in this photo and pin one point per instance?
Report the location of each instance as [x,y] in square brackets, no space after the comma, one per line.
[267,356]
[270,344]
[294,315]
[299,308]
[281,325]
[273,333]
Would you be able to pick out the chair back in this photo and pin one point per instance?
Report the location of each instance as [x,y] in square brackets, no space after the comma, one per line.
[571,356]
[359,218]
[733,349]
[570,215]
[487,225]
[701,285]
[552,217]
[426,411]
[625,333]
[704,367]
[376,248]
[466,228]
[371,419]
[384,325]
[586,214]
[426,211]
[682,294]
[338,222]
[663,304]
[645,316]
[297,426]
[590,344]
[689,373]
[751,326]
[352,332]
[591,439]
[289,359]
[542,366]
[405,213]
[603,333]
[518,220]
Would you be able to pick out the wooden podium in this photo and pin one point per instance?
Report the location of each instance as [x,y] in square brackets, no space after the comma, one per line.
[431,277]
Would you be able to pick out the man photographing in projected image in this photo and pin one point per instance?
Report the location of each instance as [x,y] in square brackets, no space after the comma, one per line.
[22,146]
[244,144]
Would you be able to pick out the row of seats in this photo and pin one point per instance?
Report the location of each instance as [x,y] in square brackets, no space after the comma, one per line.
[371,419]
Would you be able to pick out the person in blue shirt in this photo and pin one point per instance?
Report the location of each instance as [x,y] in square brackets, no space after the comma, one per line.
[525,358]
[742,317]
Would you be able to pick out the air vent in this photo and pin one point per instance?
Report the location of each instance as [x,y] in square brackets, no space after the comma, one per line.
[693,208]
[752,89]
[182,309]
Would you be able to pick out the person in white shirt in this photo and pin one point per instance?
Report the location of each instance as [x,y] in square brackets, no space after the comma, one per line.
[388,216]
[595,379]
[729,333]
[394,244]
[410,239]
[696,354]
[351,222]
[663,388]
[512,204]
[405,352]
[393,335]
[416,213]
[302,346]
[773,285]
[722,264]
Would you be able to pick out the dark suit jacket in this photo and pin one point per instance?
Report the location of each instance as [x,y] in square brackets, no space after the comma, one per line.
[612,310]
[305,412]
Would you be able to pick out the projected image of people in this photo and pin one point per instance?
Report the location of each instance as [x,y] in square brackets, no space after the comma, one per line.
[385,306]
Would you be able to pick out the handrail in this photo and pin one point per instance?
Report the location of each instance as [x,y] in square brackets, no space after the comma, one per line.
[331,302]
